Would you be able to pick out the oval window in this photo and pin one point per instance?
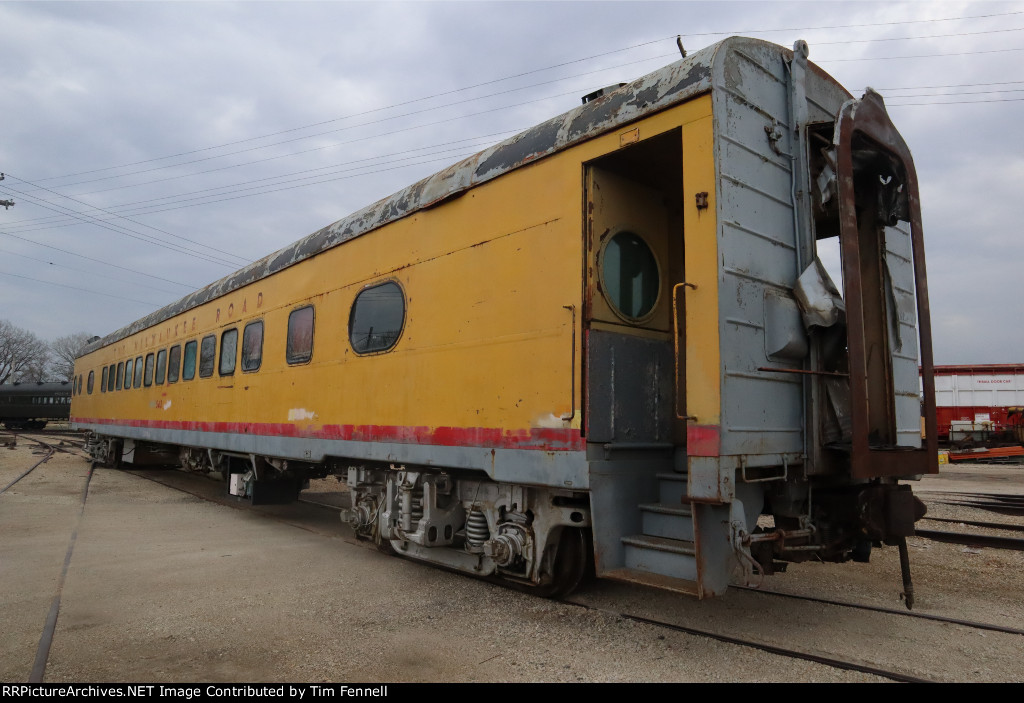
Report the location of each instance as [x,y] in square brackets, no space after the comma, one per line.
[629,272]
[377,317]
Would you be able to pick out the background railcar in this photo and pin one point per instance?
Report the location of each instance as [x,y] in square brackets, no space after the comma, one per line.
[30,406]
[609,340]
[979,404]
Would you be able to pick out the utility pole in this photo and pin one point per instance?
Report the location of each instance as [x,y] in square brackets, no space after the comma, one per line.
[5,203]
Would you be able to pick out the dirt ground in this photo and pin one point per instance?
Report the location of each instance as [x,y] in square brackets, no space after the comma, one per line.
[165,584]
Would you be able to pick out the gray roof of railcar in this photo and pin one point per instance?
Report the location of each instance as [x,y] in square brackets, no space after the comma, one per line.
[670,85]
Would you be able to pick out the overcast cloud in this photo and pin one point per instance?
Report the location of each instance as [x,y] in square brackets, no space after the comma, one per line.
[221,132]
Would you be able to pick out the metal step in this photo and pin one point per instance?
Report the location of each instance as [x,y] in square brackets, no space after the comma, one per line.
[644,578]
[672,488]
[659,555]
[667,520]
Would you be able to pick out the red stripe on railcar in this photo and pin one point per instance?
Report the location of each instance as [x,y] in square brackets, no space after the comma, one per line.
[545,439]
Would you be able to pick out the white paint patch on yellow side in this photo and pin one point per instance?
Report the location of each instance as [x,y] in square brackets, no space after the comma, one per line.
[166,405]
[550,421]
[300,414]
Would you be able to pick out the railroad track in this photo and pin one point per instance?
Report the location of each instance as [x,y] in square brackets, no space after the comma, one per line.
[50,626]
[29,470]
[791,653]
[1003,503]
[844,664]
[847,664]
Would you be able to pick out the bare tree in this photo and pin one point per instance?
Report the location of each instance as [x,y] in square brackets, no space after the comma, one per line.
[23,356]
[65,351]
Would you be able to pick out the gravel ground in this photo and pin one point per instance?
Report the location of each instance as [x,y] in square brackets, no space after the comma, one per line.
[169,586]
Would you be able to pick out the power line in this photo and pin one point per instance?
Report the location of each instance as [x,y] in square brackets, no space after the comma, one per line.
[376,160]
[918,56]
[406,114]
[955,85]
[961,92]
[72,268]
[98,261]
[84,290]
[358,114]
[930,36]
[88,219]
[559,65]
[343,129]
[114,214]
[143,210]
[959,102]
[169,234]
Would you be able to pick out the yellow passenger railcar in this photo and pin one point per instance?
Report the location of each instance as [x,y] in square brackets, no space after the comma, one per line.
[608,339]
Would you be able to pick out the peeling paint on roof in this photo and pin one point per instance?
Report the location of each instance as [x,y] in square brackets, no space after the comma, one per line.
[672,84]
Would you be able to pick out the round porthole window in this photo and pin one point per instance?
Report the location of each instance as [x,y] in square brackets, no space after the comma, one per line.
[629,273]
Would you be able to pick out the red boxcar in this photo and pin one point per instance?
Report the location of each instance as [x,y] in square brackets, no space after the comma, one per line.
[980,404]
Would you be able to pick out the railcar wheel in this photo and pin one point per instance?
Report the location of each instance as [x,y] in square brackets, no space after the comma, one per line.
[570,565]
[115,449]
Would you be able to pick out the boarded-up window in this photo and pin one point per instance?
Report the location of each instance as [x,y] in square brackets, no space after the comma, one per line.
[252,346]
[300,336]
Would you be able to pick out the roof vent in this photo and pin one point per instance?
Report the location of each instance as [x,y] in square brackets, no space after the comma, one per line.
[601,92]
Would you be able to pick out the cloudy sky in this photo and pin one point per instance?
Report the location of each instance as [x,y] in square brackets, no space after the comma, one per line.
[154,147]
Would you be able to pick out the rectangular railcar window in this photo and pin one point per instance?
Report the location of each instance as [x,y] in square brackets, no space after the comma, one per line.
[92,379]
[103,381]
[120,375]
[161,366]
[138,372]
[300,336]
[252,346]
[188,369]
[110,377]
[127,374]
[173,363]
[207,356]
[228,351]
[149,370]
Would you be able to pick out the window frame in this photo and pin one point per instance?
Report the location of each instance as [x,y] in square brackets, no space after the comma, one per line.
[213,356]
[288,355]
[138,376]
[148,369]
[161,367]
[606,289]
[173,364]
[401,330]
[234,355]
[259,358]
[118,384]
[194,344]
